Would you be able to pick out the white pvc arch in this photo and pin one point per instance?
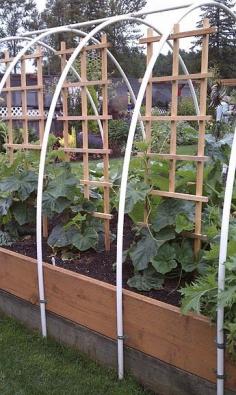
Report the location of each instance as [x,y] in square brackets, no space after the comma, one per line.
[223,252]
[7,73]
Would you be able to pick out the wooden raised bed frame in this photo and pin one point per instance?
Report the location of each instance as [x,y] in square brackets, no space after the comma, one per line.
[152,327]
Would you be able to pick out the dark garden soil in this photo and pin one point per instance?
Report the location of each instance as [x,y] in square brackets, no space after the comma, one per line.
[100,265]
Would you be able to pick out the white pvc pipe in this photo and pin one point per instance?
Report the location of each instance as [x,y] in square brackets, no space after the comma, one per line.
[98,21]
[222,259]
[42,162]
[44,145]
[124,178]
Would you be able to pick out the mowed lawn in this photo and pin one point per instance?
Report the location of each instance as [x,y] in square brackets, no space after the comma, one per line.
[30,365]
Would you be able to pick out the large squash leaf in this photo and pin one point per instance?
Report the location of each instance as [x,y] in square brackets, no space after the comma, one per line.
[24,184]
[147,248]
[136,192]
[168,210]
[147,280]
[85,240]
[165,260]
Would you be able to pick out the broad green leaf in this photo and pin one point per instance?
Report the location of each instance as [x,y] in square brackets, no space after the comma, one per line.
[147,248]
[183,223]
[136,192]
[59,237]
[24,184]
[146,281]
[53,205]
[185,256]
[23,213]
[5,204]
[62,186]
[84,241]
[164,261]
[137,214]
[168,211]
[87,206]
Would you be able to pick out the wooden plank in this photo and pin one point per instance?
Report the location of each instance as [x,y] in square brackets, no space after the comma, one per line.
[40,95]
[190,33]
[10,139]
[102,215]
[23,146]
[229,82]
[148,125]
[177,118]
[97,183]
[201,136]
[174,111]
[84,108]
[24,103]
[27,117]
[106,173]
[86,83]
[22,88]
[150,326]
[91,47]
[64,93]
[193,158]
[96,151]
[177,195]
[84,117]
[183,77]
[33,55]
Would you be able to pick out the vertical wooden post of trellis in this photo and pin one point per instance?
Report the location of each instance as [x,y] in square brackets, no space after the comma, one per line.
[41,115]
[40,93]
[24,103]
[65,102]
[84,108]
[201,137]
[148,123]
[105,143]
[174,110]
[9,109]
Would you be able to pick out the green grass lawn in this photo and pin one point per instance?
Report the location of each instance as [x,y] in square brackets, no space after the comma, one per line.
[30,365]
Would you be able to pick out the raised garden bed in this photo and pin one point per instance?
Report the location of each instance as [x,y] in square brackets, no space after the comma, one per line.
[156,330]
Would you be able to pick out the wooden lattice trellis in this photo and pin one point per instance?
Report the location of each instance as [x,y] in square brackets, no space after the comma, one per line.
[174,118]
[83,84]
[25,118]
[24,88]
[84,117]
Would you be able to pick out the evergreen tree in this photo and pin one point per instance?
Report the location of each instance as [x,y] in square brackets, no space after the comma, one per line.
[222,44]
[63,12]
[17,16]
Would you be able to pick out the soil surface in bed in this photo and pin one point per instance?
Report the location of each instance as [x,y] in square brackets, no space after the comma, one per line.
[100,265]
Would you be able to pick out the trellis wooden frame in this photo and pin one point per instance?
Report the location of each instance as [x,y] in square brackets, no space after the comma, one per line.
[25,118]
[172,157]
[84,118]
[24,89]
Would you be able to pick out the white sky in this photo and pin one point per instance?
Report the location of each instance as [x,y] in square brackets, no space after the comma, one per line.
[164,20]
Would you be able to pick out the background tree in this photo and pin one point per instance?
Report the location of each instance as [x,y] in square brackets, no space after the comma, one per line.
[16,16]
[222,44]
[121,36]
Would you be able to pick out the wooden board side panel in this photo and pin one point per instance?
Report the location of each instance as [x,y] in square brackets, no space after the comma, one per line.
[18,276]
[84,302]
[153,327]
